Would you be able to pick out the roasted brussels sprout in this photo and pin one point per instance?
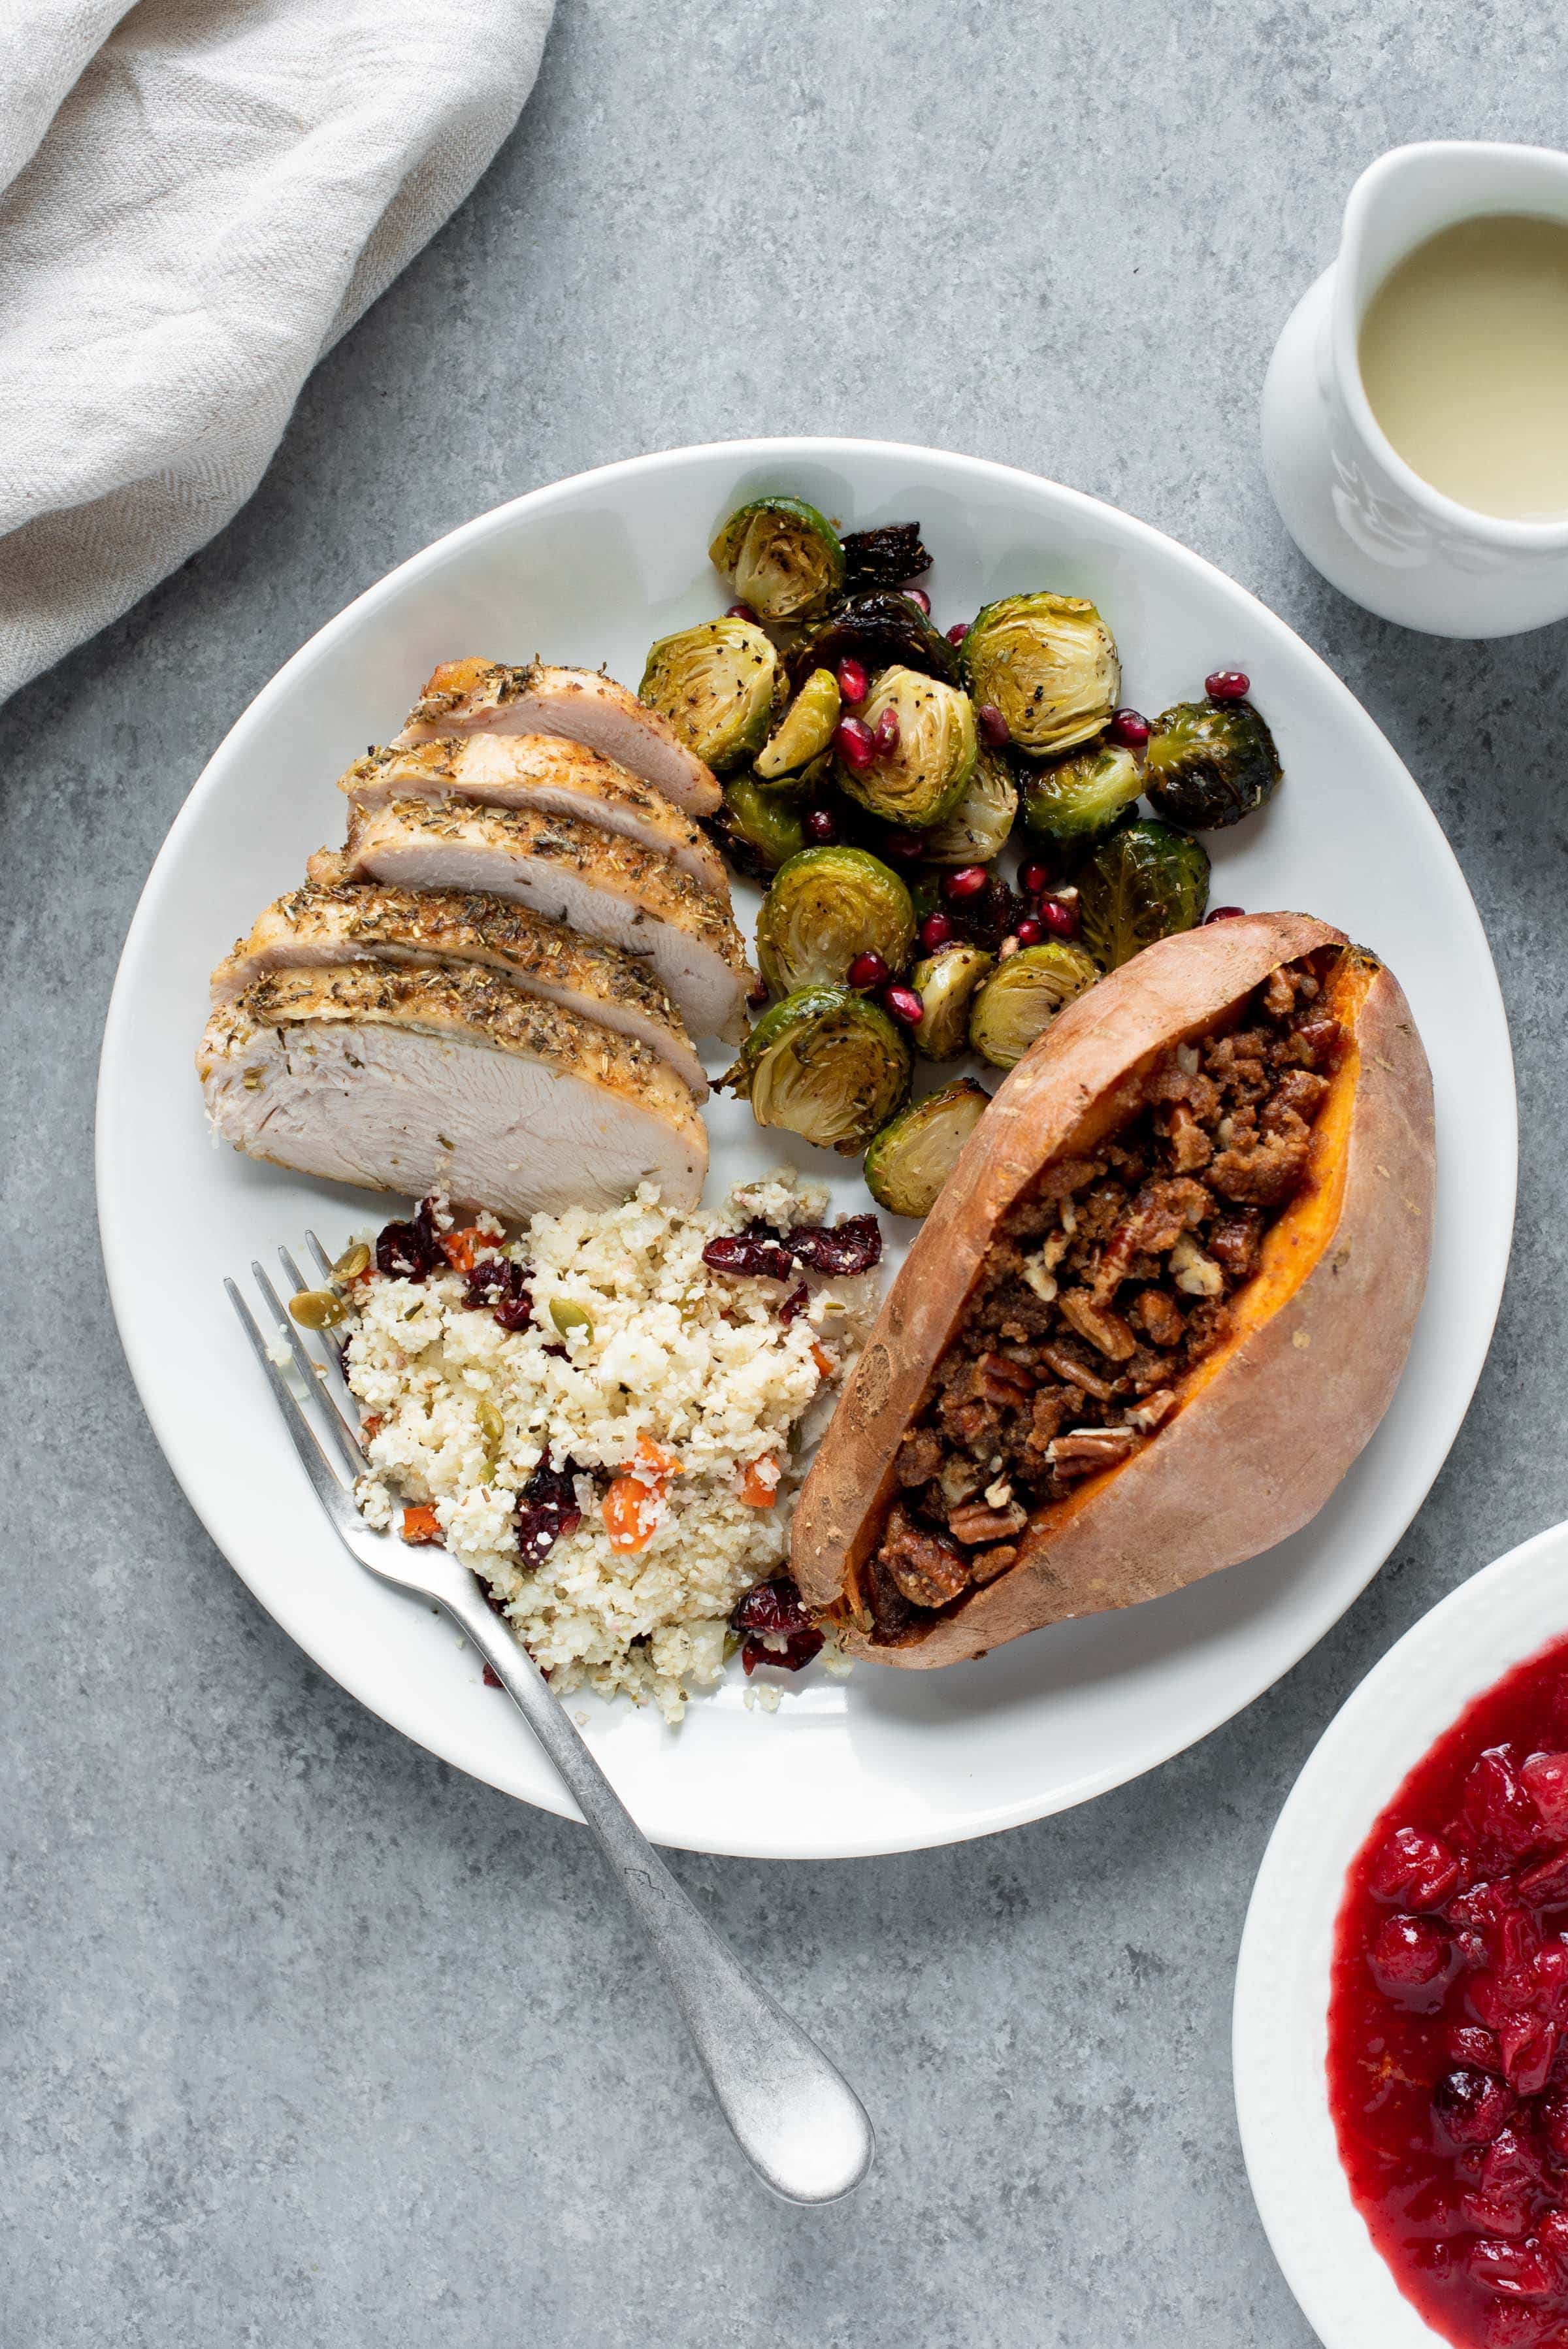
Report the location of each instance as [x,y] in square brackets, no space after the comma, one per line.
[1210,763]
[1078,799]
[1049,664]
[912,1157]
[1146,882]
[945,983]
[805,730]
[825,907]
[978,829]
[758,829]
[1022,998]
[925,775]
[881,630]
[782,556]
[716,685]
[884,557]
[825,1063]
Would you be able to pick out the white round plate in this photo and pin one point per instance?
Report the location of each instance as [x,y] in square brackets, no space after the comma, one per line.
[1507,1612]
[591,570]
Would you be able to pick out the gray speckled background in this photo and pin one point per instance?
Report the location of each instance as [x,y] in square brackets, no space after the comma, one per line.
[308,2040]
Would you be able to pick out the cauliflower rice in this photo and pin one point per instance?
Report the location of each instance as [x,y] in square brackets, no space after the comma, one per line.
[696,1362]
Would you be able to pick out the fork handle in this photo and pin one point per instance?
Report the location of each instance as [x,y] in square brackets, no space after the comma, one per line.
[795,2117]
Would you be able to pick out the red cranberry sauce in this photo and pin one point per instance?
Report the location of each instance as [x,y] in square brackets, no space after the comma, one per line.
[1447,2021]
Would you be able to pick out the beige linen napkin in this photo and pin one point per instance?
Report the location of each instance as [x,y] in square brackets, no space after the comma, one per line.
[197,197]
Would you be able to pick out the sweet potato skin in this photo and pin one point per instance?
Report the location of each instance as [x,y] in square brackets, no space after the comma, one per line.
[1257,1448]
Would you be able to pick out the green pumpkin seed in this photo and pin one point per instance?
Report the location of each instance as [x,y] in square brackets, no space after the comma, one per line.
[352,1262]
[318,1308]
[568,1317]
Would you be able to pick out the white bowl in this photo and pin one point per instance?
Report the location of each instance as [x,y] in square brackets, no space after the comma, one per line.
[1502,1616]
[591,570]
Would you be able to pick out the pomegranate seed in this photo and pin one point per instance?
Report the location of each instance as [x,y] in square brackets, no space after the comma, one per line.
[935,931]
[1029,931]
[854,742]
[868,969]
[1130,728]
[1034,879]
[741,612]
[1411,1960]
[1227,683]
[918,595]
[492,1678]
[957,632]
[904,844]
[1225,914]
[1471,2106]
[904,1005]
[886,733]
[854,683]
[821,825]
[967,882]
[1060,918]
[993,726]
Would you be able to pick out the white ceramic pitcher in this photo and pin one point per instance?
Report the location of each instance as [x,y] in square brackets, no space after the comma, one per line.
[1374,528]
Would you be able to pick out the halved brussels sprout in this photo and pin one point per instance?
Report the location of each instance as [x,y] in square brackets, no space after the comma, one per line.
[979,826]
[880,630]
[782,556]
[1049,664]
[1079,798]
[1024,996]
[926,775]
[825,907]
[1210,763]
[716,685]
[912,1157]
[758,829]
[806,730]
[945,983]
[826,1063]
[1146,882]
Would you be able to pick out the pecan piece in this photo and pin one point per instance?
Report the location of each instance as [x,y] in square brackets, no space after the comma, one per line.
[979,1524]
[987,1564]
[1158,1316]
[1069,1364]
[1106,1330]
[1089,1449]
[924,1567]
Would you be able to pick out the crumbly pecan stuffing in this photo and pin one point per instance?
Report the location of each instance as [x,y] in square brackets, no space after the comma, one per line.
[1106,1283]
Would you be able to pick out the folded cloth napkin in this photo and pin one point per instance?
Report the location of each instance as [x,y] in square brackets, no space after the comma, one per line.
[197,197]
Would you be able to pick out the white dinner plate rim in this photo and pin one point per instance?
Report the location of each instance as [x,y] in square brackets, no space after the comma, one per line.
[1487,1272]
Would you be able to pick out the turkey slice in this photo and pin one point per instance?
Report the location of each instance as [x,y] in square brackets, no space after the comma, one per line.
[417,1080]
[595,883]
[474,696]
[374,922]
[542,771]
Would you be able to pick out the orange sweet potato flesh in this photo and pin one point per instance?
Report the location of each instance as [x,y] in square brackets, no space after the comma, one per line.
[1267,1424]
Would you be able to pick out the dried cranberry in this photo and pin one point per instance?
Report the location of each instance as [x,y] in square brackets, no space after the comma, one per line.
[1130,728]
[854,742]
[1546,1777]
[853,684]
[772,1612]
[1412,1962]
[1471,2107]
[918,595]
[1059,917]
[800,1296]
[546,1509]
[1034,878]
[409,1251]
[887,733]
[759,1253]
[904,1004]
[1415,1868]
[492,1678]
[868,969]
[821,826]
[1227,683]
[852,1246]
[957,632]
[994,727]
[936,930]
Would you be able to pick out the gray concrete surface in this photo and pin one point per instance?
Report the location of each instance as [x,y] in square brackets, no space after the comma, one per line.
[307,2040]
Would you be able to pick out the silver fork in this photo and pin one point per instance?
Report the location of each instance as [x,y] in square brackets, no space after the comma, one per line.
[796,2119]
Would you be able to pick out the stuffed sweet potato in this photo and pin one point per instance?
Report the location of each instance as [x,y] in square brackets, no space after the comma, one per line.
[1157,1311]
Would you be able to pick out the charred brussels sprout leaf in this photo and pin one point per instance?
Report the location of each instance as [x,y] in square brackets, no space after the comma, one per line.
[782,556]
[1049,664]
[1022,996]
[758,829]
[978,828]
[884,557]
[1079,798]
[825,1063]
[805,730]
[925,775]
[825,907]
[1146,882]
[912,1157]
[945,983]
[1210,763]
[880,631]
[716,685]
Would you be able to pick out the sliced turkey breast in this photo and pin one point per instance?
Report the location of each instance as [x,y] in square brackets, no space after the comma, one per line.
[572,873]
[543,772]
[476,697]
[417,1080]
[373,923]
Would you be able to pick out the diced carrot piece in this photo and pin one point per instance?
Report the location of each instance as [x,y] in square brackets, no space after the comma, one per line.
[420,1524]
[654,1463]
[630,1510]
[759,1482]
[370,1428]
[460,1247]
[824,1360]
